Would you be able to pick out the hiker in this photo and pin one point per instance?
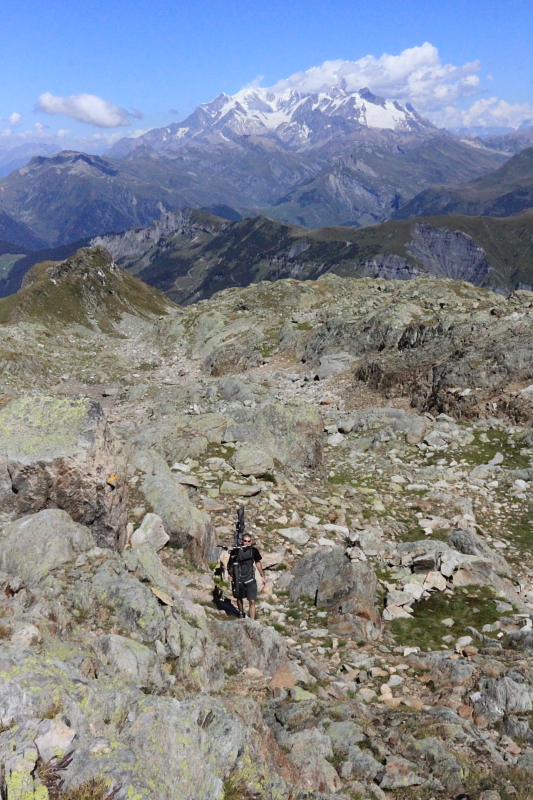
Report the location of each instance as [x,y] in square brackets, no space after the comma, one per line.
[242,576]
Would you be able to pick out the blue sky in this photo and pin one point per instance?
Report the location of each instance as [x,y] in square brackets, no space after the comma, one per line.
[150,60]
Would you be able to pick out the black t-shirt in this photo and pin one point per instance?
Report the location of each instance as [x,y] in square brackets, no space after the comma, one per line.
[247,557]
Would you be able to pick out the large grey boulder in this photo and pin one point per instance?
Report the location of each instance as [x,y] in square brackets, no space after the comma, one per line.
[250,644]
[471,544]
[186,525]
[292,433]
[334,364]
[252,460]
[34,545]
[58,452]
[327,577]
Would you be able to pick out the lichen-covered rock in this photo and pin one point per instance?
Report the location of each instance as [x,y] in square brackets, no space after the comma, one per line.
[250,644]
[292,433]
[252,460]
[34,545]
[58,452]
[131,658]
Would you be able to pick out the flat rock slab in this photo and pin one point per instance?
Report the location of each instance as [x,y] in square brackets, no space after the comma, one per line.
[295,534]
[239,489]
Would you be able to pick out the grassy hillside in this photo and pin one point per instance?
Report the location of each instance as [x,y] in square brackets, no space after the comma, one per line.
[87,289]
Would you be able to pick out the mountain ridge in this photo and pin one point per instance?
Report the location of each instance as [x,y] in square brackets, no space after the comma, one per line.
[506,191]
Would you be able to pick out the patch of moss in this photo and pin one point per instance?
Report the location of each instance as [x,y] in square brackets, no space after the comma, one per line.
[425,628]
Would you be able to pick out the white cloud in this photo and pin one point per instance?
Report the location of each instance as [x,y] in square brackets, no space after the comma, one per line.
[417,75]
[485,112]
[85,108]
[15,118]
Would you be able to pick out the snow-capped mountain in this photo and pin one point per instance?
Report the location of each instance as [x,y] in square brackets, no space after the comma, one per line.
[293,119]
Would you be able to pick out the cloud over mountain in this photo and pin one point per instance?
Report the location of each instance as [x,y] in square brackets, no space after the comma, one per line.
[416,75]
[87,108]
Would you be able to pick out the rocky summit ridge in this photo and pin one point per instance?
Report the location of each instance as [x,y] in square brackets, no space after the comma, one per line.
[378,434]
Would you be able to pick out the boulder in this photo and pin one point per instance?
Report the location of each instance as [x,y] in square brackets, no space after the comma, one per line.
[252,460]
[34,545]
[150,533]
[334,364]
[239,489]
[186,525]
[295,534]
[329,576]
[471,544]
[250,644]
[58,452]
[292,433]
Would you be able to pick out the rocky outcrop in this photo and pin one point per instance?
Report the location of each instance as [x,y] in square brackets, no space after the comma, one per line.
[58,452]
[186,525]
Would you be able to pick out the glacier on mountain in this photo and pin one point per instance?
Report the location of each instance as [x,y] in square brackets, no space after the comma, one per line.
[293,119]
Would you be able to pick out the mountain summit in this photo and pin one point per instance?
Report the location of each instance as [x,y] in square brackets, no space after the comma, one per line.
[294,119]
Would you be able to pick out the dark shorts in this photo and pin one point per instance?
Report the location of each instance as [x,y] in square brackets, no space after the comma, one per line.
[248,591]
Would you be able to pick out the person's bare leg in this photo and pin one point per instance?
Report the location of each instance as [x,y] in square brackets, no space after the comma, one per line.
[252,609]
[240,606]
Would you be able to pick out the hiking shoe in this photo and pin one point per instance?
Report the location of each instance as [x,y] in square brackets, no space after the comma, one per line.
[242,615]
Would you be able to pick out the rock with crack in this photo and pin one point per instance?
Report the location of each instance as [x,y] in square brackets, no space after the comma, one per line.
[58,452]
[186,525]
[329,578]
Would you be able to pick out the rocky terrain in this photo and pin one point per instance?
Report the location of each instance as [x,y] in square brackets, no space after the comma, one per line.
[378,434]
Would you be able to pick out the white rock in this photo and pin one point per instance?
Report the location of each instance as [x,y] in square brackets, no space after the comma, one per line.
[528,391]
[395,612]
[408,651]
[296,535]
[398,479]
[326,542]
[520,485]
[414,589]
[26,635]
[181,467]
[463,641]
[434,580]
[497,459]
[335,439]
[395,680]
[337,528]
[55,738]
[150,533]
[318,633]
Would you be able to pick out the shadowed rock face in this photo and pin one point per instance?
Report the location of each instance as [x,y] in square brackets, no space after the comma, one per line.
[58,452]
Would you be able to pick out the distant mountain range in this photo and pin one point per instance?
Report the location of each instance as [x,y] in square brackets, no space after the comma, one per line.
[310,160]
[507,191]
[358,179]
